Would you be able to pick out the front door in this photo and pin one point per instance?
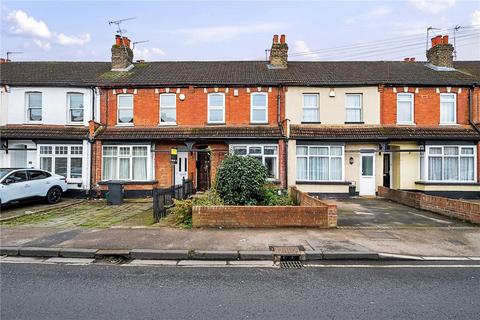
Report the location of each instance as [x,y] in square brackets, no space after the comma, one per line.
[386,170]
[181,168]
[367,174]
[203,170]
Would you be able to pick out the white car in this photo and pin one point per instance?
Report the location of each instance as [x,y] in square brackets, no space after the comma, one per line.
[22,184]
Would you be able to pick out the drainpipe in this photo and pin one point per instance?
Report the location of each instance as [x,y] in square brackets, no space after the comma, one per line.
[91,141]
[282,132]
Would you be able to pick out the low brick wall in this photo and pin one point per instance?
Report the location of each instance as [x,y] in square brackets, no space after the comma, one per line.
[310,212]
[464,210]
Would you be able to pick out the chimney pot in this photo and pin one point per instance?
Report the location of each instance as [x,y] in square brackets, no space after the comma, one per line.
[275,38]
[412,59]
[406,59]
[445,39]
[282,38]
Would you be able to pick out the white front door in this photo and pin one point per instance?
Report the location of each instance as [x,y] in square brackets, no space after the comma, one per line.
[367,174]
[18,158]
[181,168]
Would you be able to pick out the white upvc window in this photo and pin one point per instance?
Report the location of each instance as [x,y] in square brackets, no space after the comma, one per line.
[405,108]
[34,106]
[449,163]
[448,108]
[125,162]
[320,163]
[266,154]
[259,107]
[310,108]
[75,107]
[125,109]
[353,107]
[168,108]
[65,160]
[216,108]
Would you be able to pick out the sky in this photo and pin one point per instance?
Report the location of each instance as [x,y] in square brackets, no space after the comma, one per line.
[237,30]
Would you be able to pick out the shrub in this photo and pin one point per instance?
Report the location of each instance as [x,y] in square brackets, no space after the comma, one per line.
[240,180]
[273,196]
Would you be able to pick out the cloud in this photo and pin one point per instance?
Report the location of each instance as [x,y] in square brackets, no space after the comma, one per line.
[374,13]
[147,54]
[432,6]
[22,24]
[44,45]
[301,46]
[65,40]
[224,33]
[476,19]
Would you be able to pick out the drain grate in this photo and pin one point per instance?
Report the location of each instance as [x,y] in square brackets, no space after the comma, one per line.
[291,265]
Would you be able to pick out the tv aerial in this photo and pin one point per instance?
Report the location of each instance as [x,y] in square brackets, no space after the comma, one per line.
[121,31]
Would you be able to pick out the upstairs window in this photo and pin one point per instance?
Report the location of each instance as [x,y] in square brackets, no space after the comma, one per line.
[216,108]
[448,108]
[168,109]
[405,108]
[259,108]
[310,108]
[34,106]
[75,107]
[353,107]
[125,109]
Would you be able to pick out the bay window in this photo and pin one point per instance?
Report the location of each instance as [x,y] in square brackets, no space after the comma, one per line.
[75,107]
[34,106]
[320,163]
[266,154]
[405,108]
[448,108]
[448,163]
[125,109]
[65,160]
[259,107]
[168,108]
[126,163]
[216,108]
[353,107]
[310,108]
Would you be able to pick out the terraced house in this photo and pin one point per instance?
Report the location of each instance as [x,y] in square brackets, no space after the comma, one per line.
[330,128]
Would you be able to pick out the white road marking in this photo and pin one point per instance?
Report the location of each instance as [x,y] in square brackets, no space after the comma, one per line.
[445,258]
[430,218]
[146,263]
[399,256]
[392,266]
[363,213]
[73,261]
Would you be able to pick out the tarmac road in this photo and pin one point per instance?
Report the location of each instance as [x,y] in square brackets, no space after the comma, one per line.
[40,291]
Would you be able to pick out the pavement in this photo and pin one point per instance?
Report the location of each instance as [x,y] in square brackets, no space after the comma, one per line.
[37,291]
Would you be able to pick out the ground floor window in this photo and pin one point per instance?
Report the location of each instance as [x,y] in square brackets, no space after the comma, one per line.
[65,160]
[448,163]
[320,163]
[267,154]
[126,163]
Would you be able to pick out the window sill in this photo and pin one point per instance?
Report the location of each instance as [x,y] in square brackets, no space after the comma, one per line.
[325,182]
[216,123]
[354,122]
[449,124]
[310,122]
[144,182]
[258,123]
[75,124]
[166,124]
[406,124]
[447,183]
[124,125]
[33,122]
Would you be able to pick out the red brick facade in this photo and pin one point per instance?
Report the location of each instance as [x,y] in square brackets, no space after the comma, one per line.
[426,104]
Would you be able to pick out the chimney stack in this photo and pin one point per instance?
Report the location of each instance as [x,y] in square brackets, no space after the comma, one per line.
[279,53]
[122,55]
[441,52]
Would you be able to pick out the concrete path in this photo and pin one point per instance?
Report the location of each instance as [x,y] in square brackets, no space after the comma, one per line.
[409,241]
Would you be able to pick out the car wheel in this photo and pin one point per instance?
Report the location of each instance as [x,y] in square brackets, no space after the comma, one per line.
[54,195]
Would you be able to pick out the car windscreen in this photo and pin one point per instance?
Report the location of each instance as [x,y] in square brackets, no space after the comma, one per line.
[4,172]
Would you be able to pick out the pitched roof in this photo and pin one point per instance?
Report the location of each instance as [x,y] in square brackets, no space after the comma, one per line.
[470,67]
[186,133]
[231,73]
[42,132]
[378,133]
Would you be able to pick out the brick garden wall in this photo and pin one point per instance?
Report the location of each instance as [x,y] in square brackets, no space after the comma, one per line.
[464,210]
[310,212]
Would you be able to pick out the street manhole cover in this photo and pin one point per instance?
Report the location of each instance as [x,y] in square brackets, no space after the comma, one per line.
[380,235]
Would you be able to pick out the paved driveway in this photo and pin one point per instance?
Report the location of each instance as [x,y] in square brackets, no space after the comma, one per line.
[379,212]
